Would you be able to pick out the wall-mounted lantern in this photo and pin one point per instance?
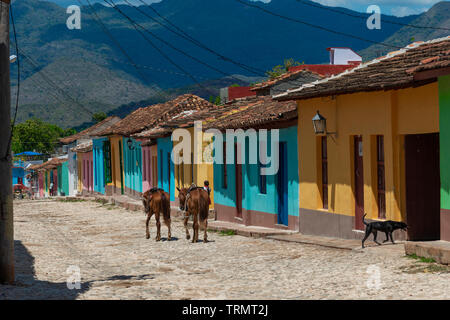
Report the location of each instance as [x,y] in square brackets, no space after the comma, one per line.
[319,124]
[130,144]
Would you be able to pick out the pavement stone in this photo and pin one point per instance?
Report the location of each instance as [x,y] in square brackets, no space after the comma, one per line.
[107,243]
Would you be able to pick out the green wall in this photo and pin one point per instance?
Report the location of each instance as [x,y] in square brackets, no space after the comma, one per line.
[444,128]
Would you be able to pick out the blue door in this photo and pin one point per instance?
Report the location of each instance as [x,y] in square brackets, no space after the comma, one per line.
[282,182]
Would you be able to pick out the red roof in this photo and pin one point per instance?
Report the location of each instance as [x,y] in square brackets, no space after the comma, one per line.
[326,70]
[239,92]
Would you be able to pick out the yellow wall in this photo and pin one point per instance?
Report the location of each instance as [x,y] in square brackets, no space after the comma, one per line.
[80,172]
[202,172]
[389,113]
[115,162]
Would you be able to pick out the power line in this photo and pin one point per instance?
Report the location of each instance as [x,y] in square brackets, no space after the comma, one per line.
[162,94]
[315,26]
[134,24]
[52,84]
[186,36]
[311,4]
[18,78]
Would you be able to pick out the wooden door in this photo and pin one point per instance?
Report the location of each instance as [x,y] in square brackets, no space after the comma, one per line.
[359,182]
[422,186]
[238,166]
[282,182]
[121,168]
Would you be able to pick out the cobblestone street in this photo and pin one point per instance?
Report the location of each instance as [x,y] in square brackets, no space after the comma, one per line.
[108,244]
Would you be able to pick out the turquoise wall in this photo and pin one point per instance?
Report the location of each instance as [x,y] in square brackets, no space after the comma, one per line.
[63,180]
[132,162]
[252,198]
[99,173]
[444,136]
[164,150]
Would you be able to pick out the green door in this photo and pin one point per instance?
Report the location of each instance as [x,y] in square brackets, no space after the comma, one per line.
[121,167]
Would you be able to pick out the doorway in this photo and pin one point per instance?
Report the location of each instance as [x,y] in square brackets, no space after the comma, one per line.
[121,167]
[422,186]
[359,182]
[282,185]
[238,167]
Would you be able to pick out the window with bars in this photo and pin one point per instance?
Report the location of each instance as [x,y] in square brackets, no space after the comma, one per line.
[381,183]
[168,169]
[324,158]
[107,161]
[225,176]
[192,168]
[262,180]
[161,161]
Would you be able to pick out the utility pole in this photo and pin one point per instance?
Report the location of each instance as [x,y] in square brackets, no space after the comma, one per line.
[6,199]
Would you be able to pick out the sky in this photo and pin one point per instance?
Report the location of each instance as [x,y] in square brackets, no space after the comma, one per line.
[397,8]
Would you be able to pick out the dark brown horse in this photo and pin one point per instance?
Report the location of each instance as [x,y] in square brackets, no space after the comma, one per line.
[157,201]
[195,201]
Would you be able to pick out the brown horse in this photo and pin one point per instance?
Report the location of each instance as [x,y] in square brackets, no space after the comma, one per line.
[157,201]
[195,201]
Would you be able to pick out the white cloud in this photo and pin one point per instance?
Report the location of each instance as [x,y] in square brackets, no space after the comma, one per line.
[406,11]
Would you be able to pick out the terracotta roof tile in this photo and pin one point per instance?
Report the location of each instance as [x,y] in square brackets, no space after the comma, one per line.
[91,131]
[394,71]
[83,147]
[50,164]
[254,111]
[286,76]
[144,118]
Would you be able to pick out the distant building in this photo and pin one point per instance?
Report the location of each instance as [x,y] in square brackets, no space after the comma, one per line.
[231,93]
[344,56]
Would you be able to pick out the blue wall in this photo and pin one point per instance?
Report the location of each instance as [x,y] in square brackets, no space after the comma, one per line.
[164,151]
[99,170]
[252,198]
[18,172]
[132,165]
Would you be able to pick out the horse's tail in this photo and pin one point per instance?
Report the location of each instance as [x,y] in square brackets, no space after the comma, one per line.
[165,206]
[203,207]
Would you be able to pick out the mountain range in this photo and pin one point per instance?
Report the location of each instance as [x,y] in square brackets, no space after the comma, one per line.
[68,74]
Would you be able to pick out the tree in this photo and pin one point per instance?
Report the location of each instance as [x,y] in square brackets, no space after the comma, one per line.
[217,101]
[282,69]
[99,116]
[34,134]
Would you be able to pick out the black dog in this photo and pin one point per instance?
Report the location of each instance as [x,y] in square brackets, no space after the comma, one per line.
[387,227]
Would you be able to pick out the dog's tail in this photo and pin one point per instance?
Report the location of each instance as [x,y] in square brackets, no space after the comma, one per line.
[364,221]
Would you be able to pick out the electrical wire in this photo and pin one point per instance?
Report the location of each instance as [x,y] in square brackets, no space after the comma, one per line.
[18,81]
[54,85]
[315,26]
[135,25]
[186,36]
[161,93]
[312,4]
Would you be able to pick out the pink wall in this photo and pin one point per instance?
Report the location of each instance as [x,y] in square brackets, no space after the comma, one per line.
[148,181]
[41,184]
[55,182]
[88,173]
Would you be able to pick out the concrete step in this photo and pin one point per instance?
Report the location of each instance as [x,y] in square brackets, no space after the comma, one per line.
[242,230]
[437,250]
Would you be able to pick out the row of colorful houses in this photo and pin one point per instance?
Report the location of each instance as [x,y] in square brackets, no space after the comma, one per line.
[352,139]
